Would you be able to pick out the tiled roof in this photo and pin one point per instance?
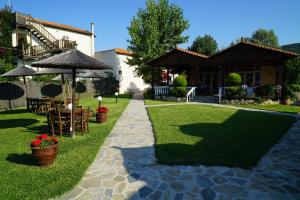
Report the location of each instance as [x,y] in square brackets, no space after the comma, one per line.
[63,26]
[123,51]
[192,52]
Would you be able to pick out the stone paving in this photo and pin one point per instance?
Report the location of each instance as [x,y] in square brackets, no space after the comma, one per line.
[125,168]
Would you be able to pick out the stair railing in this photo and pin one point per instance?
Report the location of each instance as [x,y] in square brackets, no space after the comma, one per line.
[191,94]
[28,20]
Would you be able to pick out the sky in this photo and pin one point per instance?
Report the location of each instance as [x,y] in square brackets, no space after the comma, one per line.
[225,20]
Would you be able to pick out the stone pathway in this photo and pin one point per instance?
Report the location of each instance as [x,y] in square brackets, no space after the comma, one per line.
[125,168]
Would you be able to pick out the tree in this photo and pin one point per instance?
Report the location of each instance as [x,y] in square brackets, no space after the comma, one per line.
[154,31]
[206,45]
[265,37]
[7,58]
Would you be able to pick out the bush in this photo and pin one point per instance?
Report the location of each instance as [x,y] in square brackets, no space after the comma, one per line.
[288,92]
[178,92]
[233,92]
[233,79]
[266,91]
[180,81]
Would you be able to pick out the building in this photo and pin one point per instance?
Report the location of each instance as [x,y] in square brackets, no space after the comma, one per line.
[38,39]
[124,73]
[257,64]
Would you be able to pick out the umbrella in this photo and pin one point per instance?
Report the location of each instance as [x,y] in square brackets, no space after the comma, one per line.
[73,60]
[91,75]
[20,71]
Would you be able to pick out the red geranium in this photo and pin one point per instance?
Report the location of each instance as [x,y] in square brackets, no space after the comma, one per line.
[43,140]
[102,109]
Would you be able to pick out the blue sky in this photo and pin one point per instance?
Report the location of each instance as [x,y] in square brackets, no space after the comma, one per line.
[225,20]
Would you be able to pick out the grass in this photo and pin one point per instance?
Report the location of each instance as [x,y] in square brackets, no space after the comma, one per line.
[21,179]
[196,134]
[158,102]
[277,107]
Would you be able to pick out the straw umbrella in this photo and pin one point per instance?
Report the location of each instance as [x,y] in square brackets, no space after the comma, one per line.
[72,59]
[91,75]
[20,71]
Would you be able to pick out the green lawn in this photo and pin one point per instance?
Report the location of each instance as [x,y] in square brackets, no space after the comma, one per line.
[196,134]
[277,107]
[157,102]
[20,179]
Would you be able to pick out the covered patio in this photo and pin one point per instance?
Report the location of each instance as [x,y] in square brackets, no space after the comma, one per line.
[257,64]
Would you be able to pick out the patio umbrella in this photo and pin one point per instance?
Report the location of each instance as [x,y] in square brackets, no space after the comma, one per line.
[91,75]
[73,60]
[21,71]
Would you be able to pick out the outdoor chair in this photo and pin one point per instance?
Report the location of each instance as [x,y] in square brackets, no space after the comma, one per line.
[85,117]
[57,121]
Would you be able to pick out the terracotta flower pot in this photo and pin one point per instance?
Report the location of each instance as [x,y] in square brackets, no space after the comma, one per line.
[46,156]
[101,117]
[285,101]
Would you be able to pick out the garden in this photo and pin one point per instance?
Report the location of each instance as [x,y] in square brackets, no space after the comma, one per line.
[18,170]
[200,134]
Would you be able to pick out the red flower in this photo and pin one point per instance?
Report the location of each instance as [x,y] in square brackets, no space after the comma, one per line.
[102,109]
[55,140]
[43,136]
[36,143]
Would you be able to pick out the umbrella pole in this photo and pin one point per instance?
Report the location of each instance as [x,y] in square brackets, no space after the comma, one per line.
[25,89]
[92,88]
[72,131]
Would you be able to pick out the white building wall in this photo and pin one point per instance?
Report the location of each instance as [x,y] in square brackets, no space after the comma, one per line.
[84,42]
[127,81]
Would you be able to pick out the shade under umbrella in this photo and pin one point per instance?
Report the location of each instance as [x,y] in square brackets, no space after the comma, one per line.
[72,59]
[20,71]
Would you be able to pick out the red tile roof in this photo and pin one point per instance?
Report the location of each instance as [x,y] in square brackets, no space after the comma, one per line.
[63,26]
[123,52]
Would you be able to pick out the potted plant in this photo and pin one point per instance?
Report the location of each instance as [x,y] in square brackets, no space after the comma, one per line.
[44,149]
[101,115]
[287,94]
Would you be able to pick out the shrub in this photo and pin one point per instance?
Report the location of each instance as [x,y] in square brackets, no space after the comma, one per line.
[178,92]
[180,81]
[287,92]
[266,91]
[233,79]
[233,92]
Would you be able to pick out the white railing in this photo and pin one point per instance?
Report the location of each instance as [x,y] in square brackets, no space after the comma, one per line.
[161,90]
[191,94]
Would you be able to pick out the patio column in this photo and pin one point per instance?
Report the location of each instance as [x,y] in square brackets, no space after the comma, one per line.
[168,73]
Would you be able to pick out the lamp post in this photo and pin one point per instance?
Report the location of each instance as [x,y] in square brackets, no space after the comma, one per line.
[116,94]
[99,99]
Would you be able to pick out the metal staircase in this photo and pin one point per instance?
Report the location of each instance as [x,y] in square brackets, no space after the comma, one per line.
[49,43]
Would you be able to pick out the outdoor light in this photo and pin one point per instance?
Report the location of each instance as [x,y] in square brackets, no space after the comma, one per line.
[99,99]
[69,106]
[116,94]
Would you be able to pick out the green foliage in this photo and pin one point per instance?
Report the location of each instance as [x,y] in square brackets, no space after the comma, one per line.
[293,71]
[206,45]
[288,92]
[155,30]
[266,91]
[43,78]
[178,92]
[180,81]
[6,28]
[265,37]
[233,79]
[233,92]
[4,67]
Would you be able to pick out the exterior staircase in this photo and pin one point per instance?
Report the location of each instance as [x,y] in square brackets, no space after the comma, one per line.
[49,43]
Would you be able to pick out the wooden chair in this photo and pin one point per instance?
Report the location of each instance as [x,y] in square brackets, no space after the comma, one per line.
[77,120]
[58,121]
[85,118]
